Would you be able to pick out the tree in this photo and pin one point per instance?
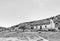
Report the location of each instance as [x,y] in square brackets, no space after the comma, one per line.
[22,27]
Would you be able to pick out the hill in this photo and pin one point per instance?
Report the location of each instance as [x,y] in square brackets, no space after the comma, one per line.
[56,20]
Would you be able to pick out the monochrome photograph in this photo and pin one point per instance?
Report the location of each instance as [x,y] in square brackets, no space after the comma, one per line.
[29,20]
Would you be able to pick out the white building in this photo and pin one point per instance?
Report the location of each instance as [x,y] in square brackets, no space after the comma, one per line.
[50,25]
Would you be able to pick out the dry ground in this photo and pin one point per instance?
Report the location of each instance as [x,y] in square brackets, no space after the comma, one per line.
[26,36]
[51,36]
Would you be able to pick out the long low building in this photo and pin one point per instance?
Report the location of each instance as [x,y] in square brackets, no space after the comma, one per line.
[45,25]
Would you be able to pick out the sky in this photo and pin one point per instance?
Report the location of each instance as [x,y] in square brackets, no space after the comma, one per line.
[13,12]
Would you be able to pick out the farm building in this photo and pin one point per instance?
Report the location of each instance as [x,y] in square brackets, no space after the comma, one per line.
[44,26]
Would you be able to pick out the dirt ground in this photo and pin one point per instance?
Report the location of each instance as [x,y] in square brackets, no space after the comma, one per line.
[28,36]
[51,36]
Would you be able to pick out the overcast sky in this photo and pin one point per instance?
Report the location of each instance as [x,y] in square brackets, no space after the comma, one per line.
[17,11]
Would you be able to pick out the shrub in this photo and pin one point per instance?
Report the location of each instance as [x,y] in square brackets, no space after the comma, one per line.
[54,30]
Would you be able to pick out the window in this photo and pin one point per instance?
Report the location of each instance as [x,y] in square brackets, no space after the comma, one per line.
[40,27]
[45,26]
[32,27]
